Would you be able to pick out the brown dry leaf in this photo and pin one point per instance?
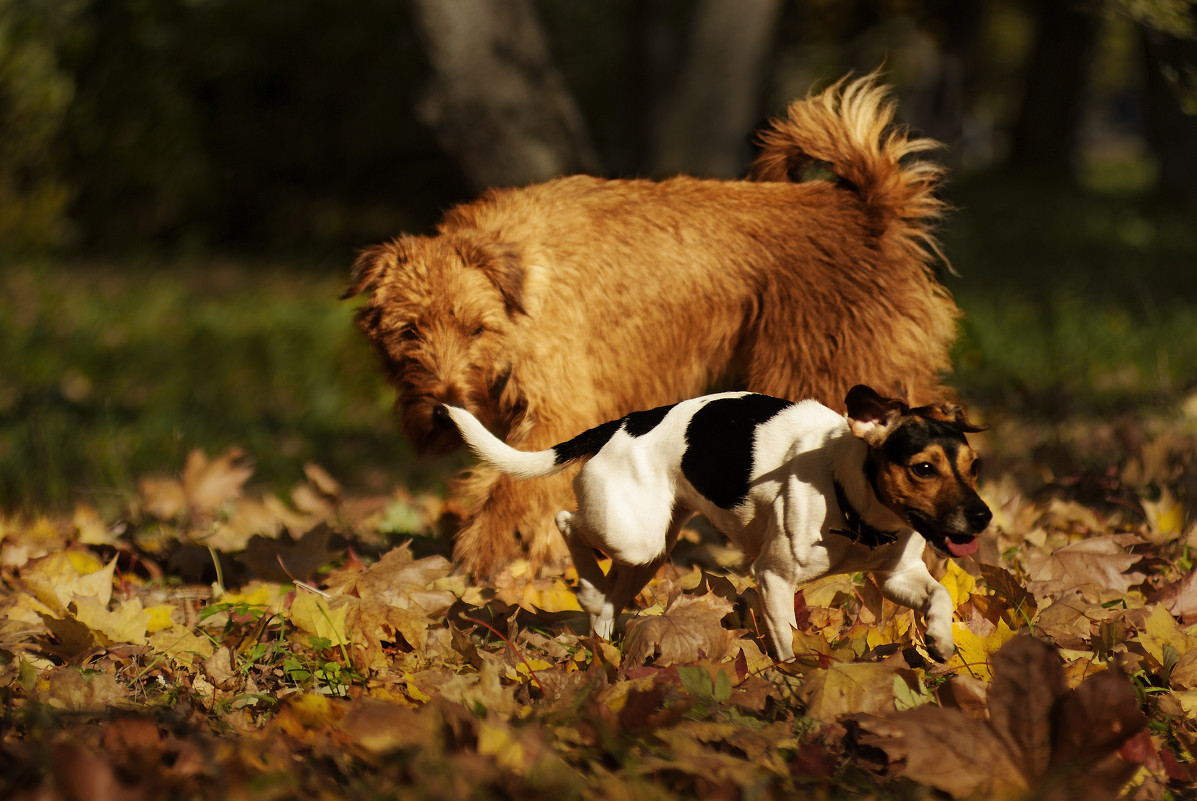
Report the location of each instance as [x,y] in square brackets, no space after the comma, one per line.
[75,691]
[372,625]
[381,727]
[849,687]
[1090,565]
[399,580]
[950,752]
[322,481]
[1090,725]
[1182,601]
[220,670]
[284,560]
[211,484]
[689,630]
[1039,733]
[163,498]
[1027,681]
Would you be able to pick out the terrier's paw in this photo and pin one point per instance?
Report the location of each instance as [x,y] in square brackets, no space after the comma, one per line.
[940,644]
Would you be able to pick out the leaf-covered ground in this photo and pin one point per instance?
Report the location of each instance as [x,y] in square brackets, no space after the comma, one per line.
[207,641]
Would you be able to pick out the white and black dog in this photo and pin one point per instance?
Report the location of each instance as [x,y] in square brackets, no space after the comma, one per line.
[802,490]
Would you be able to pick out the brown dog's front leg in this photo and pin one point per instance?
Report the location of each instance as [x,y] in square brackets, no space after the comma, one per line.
[499,508]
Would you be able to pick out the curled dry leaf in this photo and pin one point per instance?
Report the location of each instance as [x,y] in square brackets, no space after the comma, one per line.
[689,630]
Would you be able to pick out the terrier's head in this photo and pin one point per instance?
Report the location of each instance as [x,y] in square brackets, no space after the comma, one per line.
[922,467]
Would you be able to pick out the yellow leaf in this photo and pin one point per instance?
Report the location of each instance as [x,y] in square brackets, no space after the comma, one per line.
[555,597]
[160,618]
[1162,629]
[960,583]
[91,528]
[1166,517]
[126,623]
[314,615]
[181,649]
[849,688]
[826,590]
[258,593]
[60,578]
[894,629]
[973,651]
[496,741]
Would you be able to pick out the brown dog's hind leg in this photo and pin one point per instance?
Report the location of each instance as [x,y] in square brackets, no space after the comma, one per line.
[499,507]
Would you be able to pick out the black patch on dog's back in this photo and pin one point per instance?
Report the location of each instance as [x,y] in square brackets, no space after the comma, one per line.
[719,443]
[588,443]
[637,424]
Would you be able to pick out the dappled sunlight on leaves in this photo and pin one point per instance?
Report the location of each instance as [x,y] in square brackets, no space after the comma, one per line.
[212,640]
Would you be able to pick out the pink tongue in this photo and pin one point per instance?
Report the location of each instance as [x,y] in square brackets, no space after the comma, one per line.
[962,548]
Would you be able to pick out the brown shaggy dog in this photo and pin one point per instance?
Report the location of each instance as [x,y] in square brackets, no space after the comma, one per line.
[548,309]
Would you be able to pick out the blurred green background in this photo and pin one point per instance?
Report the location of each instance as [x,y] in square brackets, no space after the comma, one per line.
[184,183]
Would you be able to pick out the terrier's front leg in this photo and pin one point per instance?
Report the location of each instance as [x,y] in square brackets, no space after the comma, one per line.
[914,588]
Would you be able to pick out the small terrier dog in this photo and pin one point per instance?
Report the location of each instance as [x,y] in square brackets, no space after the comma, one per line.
[802,490]
[548,309]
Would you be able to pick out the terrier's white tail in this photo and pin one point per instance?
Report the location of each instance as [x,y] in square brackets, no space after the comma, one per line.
[498,454]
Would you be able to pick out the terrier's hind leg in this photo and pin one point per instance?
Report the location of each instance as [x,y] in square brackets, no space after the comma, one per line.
[592,582]
[627,580]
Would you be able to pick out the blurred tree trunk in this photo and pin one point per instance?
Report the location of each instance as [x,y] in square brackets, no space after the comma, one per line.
[496,102]
[1172,110]
[1046,133]
[706,128]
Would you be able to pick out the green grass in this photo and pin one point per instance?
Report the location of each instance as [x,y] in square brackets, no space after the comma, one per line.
[112,373]
[1075,303]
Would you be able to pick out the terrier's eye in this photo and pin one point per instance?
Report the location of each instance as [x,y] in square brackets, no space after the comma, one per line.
[924,470]
[976,468]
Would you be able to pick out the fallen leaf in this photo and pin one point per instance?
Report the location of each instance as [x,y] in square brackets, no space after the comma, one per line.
[689,630]
[849,688]
[1039,734]
[318,617]
[1096,563]
[210,484]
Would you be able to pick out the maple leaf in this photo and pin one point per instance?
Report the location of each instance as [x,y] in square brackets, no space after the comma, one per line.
[847,688]
[297,560]
[399,580]
[1039,734]
[1096,563]
[690,629]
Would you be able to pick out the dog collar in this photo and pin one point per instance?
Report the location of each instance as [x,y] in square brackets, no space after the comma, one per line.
[858,530]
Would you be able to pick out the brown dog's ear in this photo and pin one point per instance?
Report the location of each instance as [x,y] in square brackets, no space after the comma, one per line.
[870,416]
[501,263]
[952,414]
[369,267]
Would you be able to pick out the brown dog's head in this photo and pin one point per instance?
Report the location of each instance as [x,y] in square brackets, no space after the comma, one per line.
[438,310]
[921,467]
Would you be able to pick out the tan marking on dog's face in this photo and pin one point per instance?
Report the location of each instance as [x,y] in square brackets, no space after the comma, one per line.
[926,472]
[437,321]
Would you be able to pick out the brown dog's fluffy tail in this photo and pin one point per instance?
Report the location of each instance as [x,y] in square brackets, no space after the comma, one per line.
[849,127]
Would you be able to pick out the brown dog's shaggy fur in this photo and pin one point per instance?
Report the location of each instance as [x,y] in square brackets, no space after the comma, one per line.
[548,309]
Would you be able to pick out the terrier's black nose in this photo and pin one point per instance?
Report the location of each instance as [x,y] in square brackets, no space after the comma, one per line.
[979,518]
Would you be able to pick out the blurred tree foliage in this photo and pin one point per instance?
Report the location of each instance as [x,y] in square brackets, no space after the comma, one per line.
[35,95]
[200,124]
